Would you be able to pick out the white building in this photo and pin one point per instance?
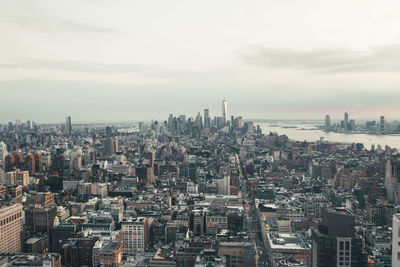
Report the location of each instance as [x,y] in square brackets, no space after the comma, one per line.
[224,185]
[3,154]
[135,235]
[395,240]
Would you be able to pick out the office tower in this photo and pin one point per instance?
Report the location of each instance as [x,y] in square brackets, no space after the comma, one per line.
[38,162]
[68,126]
[3,154]
[346,121]
[352,125]
[382,125]
[15,177]
[396,240]
[224,185]
[145,173]
[108,130]
[224,111]
[9,163]
[78,251]
[192,168]
[29,124]
[249,127]
[10,228]
[170,121]
[206,118]
[60,233]
[392,176]
[30,163]
[220,122]
[327,122]
[198,222]
[199,121]
[135,235]
[19,160]
[40,219]
[110,146]
[334,241]
[239,122]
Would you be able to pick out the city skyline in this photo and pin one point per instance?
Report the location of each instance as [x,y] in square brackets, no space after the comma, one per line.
[274,59]
[208,133]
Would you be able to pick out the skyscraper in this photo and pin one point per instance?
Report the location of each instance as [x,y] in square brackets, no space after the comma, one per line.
[68,126]
[224,110]
[346,121]
[382,125]
[206,118]
[392,185]
[110,146]
[396,240]
[334,241]
[135,235]
[10,228]
[3,154]
[327,122]
[199,121]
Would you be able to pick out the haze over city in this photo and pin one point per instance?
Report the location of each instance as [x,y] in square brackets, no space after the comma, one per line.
[213,133]
[138,60]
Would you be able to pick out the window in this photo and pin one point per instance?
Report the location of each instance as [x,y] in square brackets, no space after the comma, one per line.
[347,245]
[341,245]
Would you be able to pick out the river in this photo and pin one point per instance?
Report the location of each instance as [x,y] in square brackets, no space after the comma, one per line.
[308,132]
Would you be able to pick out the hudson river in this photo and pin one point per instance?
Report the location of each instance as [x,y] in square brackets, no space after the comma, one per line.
[308,132]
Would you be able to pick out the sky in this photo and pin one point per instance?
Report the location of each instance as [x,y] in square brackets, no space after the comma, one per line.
[128,60]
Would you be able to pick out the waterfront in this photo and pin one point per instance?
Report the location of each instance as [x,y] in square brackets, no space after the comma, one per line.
[308,132]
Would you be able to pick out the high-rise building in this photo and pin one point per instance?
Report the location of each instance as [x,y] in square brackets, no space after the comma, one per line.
[15,177]
[3,154]
[199,121]
[170,118]
[382,125]
[334,241]
[396,240]
[39,219]
[38,162]
[224,185]
[206,118]
[108,130]
[135,235]
[68,126]
[346,121]
[110,146]
[10,228]
[327,122]
[107,253]
[392,176]
[224,111]
[352,125]
[30,163]
[29,124]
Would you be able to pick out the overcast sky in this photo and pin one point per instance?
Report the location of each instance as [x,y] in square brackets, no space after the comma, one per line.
[126,60]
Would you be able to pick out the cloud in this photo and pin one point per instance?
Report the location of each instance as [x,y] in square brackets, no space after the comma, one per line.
[53,24]
[78,66]
[28,16]
[380,59]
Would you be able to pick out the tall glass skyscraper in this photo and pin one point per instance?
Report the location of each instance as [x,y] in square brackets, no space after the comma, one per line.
[68,126]
[224,110]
